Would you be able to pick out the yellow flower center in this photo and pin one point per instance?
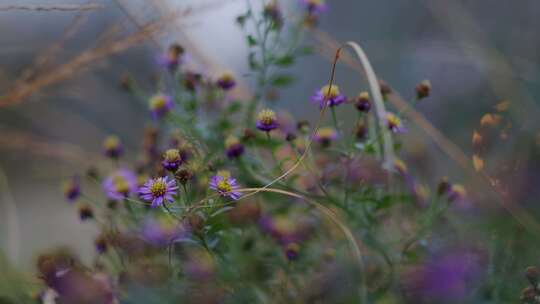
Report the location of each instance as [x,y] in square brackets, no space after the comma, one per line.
[266,116]
[330,92]
[158,102]
[326,132]
[226,77]
[393,120]
[111,142]
[231,141]
[224,185]
[158,188]
[172,155]
[120,184]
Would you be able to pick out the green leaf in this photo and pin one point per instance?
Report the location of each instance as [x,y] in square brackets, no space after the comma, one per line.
[285,60]
[282,80]
[306,50]
[251,40]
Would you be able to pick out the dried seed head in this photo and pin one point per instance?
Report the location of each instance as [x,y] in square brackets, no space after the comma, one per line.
[423,89]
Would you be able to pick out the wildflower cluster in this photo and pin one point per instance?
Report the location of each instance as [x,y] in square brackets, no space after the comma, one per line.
[235,201]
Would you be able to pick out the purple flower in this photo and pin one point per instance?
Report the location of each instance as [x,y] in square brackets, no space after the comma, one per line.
[226,82]
[162,230]
[394,123]
[233,147]
[72,189]
[225,185]
[329,95]
[325,136]
[172,58]
[362,102]
[120,184]
[160,105]
[449,276]
[158,190]
[172,160]
[112,147]
[315,7]
[266,120]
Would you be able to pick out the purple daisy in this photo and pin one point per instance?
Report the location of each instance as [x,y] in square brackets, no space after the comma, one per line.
[329,96]
[112,147]
[120,184]
[172,160]
[225,185]
[266,120]
[158,190]
[233,147]
[160,105]
[226,82]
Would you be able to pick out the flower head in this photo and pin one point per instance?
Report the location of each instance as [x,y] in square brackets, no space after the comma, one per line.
[267,120]
[158,190]
[233,147]
[423,89]
[226,82]
[160,105]
[120,184]
[362,102]
[191,80]
[72,189]
[314,7]
[85,212]
[394,123]
[225,185]
[325,136]
[112,147]
[273,12]
[173,57]
[172,160]
[328,95]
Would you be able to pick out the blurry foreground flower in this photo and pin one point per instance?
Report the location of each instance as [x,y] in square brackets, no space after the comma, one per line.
[85,212]
[225,185]
[172,160]
[158,191]
[233,147]
[330,96]
[162,230]
[226,82]
[325,136]
[394,123]
[266,120]
[112,147]
[120,184]
[160,105]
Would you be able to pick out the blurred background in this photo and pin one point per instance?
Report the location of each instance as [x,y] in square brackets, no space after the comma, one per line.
[61,94]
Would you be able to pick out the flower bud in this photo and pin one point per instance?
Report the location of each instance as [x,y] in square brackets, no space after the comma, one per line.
[423,89]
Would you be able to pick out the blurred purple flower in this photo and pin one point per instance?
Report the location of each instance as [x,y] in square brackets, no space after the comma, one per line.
[72,189]
[328,95]
[160,105]
[120,184]
[162,230]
